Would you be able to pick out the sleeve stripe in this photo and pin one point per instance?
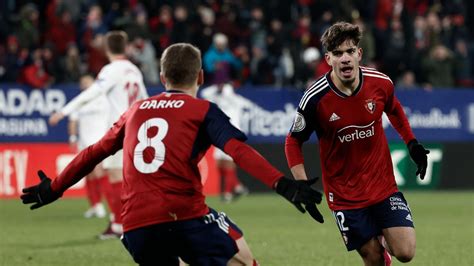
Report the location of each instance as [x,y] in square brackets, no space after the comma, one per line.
[312,88]
[309,94]
[377,76]
[367,68]
[373,71]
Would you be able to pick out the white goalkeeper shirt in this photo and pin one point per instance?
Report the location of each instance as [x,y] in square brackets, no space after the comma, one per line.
[122,84]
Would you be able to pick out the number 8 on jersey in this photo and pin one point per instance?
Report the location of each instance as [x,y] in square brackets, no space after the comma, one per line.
[142,164]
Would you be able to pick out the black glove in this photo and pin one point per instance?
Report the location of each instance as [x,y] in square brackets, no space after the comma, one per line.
[40,194]
[418,155]
[300,192]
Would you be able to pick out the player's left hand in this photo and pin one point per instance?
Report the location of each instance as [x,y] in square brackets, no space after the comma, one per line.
[40,194]
[418,155]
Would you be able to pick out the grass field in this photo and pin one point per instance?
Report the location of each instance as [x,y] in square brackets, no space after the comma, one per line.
[276,232]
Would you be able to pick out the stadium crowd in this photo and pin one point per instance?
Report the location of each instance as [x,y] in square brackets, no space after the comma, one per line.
[418,43]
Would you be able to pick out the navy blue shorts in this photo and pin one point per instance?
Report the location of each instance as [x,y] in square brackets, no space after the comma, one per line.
[208,240]
[357,226]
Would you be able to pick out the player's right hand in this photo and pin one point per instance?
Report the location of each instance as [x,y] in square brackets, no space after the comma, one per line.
[55,118]
[40,194]
[299,192]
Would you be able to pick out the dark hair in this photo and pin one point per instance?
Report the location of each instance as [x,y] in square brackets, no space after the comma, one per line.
[339,33]
[180,64]
[116,41]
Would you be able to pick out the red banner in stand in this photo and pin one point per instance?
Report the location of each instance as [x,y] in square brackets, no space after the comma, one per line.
[19,163]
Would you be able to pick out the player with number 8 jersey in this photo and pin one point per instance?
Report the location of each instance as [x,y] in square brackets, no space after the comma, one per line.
[163,138]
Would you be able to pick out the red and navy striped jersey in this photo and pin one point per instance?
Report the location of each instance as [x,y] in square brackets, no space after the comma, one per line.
[356,164]
[163,139]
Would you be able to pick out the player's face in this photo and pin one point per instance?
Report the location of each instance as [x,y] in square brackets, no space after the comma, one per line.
[345,61]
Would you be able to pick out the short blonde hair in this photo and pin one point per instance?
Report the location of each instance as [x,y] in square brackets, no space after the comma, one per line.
[180,64]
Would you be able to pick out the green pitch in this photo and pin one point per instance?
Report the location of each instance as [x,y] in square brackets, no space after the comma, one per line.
[276,232]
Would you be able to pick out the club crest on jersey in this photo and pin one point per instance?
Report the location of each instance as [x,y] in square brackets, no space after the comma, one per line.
[370,105]
[299,124]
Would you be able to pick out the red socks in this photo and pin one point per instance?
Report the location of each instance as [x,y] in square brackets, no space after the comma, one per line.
[93,190]
[112,194]
[229,178]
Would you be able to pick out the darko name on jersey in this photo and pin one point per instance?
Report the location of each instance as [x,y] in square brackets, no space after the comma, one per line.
[154,104]
[352,132]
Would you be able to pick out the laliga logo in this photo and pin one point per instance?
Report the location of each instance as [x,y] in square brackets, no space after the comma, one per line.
[360,132]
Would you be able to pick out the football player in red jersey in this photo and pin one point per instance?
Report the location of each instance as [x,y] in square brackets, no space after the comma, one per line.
[344,108]
[163,139]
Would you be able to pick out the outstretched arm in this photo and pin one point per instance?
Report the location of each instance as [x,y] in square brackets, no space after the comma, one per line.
[48,191]
[297,192]
[252,162]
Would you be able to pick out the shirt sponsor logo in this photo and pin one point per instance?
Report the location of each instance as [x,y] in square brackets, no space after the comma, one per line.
[358,132]
[154,104]
[299,124]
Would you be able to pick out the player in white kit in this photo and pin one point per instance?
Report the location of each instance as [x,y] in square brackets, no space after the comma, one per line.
[86,126]
[232,104]
[122,84]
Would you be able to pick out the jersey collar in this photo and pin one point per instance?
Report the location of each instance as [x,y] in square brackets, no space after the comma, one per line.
[174,91]
[338,92]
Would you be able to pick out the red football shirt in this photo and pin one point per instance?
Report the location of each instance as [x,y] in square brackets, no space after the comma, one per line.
[163,139]
[356,164]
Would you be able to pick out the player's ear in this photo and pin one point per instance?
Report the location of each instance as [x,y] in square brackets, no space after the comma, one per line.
[162,79]
[360,53]
[327,56]
[200,79]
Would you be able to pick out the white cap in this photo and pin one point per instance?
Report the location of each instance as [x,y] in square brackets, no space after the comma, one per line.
[311,54]
[220,38]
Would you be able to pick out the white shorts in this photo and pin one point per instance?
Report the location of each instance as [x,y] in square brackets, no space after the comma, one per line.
[114,161]
[220,155]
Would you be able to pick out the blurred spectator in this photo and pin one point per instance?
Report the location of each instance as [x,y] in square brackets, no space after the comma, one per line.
[203,37]
[12,60]
[439,67]
[34,74]
[284,70]
[261,69]
[258,32]
[62,32]
[182,31]
[138,27]
[303,33]
[406,81]
[242,53]
[50,63]
[367,42]
[306,72]
[93,25]
[27,30]
[142,53]
[226,24]
[71,64]
[219,62]
[161,27]
[464,65]
[96,58]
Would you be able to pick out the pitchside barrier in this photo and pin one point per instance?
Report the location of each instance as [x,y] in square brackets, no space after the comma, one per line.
[443,120]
